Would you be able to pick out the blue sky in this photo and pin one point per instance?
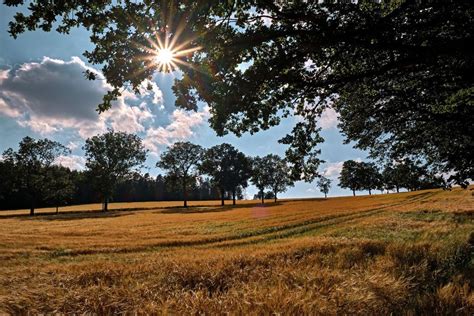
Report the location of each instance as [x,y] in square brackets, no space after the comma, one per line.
[43,93]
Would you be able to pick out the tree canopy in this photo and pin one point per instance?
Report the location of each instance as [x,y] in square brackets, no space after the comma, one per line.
[279,175]
[399,73]
[29,164]
[111,158]
[228,168]
[324,185]
[181,162]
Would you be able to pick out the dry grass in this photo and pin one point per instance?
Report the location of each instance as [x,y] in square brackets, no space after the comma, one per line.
[408,253]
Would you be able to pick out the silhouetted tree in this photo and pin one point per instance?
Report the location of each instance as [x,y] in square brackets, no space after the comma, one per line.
[324,184]
[227,167]
[279,175]
[350,176]
[260,175]
[30,163]
[181,162]
[60,188]
[111,158]
[369,175]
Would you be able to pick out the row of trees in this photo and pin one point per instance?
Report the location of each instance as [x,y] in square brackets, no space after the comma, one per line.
[228,168]
[367,176]
[113,161]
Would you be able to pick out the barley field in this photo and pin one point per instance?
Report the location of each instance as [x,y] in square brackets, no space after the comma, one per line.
[408,253]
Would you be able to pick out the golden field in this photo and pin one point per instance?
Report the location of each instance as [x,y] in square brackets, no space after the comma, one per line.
[407,253]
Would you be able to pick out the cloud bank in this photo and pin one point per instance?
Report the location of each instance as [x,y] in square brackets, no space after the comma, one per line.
[52,96]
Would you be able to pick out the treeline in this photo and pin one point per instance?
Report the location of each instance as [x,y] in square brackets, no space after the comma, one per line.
[408,174]
[29,177]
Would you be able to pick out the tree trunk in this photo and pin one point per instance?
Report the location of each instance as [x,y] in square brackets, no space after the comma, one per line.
[233,197]
[398,189]
[353,192]
[57,209]
[263,197]
[32,206]
[222,197]
[185,194]
[370,192]
[275,196]
[325,195]
[105,206]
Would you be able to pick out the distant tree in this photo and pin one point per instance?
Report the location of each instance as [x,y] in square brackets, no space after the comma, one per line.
[239,174]
[30,163]
[369,175]
[279,175]
[388,178]
[7,180]
[61,187]
[111,158]
[227,167]
[181,162]
[350,176]
[324,185]
[260,175]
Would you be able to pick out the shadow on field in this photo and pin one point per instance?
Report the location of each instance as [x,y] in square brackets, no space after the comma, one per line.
[212,209]
[69,216]
[83,214]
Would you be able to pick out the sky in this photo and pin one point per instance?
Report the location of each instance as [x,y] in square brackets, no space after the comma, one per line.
[43,93]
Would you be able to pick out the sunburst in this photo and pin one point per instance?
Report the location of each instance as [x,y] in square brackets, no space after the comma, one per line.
[167,55]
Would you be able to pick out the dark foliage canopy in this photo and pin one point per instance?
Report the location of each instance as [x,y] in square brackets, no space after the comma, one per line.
[400,73]
[111,158]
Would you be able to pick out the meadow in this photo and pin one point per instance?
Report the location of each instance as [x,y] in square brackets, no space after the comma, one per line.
[407,253]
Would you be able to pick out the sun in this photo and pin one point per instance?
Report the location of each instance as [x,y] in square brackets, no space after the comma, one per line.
[167,51]
[164,56]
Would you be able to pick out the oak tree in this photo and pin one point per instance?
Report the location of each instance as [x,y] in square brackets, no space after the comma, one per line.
[112,158]
[181,162]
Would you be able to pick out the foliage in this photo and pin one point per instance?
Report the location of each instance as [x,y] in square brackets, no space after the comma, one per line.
[350,176]
[29,164]
[279,175]
[227,167]
[181,161]
[324,184]
[61,187]
[260,174]
[111,158]
[370,178]
[398,72]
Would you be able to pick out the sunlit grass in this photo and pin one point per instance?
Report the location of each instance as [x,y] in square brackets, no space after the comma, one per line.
[400,253]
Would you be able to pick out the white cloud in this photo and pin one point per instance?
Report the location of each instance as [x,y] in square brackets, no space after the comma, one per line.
[333,169]
[72,162]
[53,95]
[180,128]
[73,145]
[329,119]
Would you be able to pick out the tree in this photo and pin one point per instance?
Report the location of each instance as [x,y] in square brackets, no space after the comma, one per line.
[324,185]
[112,158]
[369,176]
[279,175]
[260,175]
[396,94]
[60,186]
[30,163]
[350,176]
[227,167]
[181,161]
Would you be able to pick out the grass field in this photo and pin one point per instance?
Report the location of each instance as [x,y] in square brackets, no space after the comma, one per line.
[407,253]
